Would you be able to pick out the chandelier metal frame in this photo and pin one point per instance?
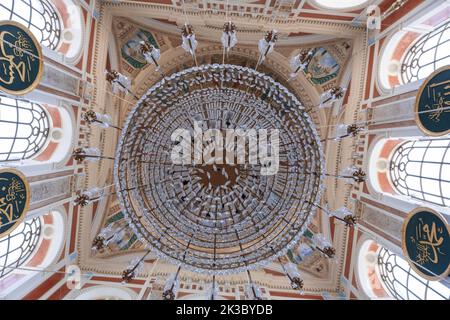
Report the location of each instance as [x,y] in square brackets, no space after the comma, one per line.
[202,248]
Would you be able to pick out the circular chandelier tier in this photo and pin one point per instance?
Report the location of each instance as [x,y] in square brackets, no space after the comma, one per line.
[218,218]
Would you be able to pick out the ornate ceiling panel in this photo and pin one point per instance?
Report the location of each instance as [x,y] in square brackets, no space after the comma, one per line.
[158,23]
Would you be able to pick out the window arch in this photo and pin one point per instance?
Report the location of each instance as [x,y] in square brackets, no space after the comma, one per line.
[339,4]
[383,274]
[421,169]
[416,50]
[35,245]
[25,129]
[368,275]
[17,247]
[402,283]
[37,15]
[427,54]
[106,293]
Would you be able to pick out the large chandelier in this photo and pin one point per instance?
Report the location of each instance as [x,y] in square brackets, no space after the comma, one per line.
[214,218]
[218,217]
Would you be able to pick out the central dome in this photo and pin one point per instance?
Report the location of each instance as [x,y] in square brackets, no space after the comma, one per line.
[220,216]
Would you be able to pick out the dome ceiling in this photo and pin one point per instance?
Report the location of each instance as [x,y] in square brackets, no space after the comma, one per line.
[332,60]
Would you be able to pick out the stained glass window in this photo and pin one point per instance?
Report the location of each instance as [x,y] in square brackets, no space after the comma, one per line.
[421,169]
[429,53]
[403,283]
[17,247]
[37,15]
[25,128]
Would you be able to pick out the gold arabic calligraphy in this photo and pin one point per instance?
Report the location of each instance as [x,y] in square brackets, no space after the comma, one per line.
[8,67]
[437,94]
[428,242]
[13,197]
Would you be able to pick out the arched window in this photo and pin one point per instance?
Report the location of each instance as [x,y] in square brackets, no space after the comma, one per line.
[427,54]
[17,247]
[402,283]
[25,128]
[34,246]
[106,293]
[383,274]
[421,169]
[416,50]
[339,4]
[38,15]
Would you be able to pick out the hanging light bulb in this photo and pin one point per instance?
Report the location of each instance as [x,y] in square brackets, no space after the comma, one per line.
[334,94]
[106,236]
[101,120]
[88,154]
[323,245]
[150,53]
[100,241]
[344,215]
[118,81]
[229,38]
[172,285]
[344,131]
[300,62]
[136,265]
[81,200]
[341,130]
[88,196]
[266,45]
[353,174]
[341,214]
[189,43]
[347,130]
[294,276]
[350,174]
[353,130]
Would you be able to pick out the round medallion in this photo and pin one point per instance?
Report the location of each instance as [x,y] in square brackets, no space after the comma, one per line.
[426,243]
[433,104]
[21,59]
[14,199]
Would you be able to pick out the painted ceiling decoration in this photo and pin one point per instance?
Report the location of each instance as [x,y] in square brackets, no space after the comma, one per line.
[129,37]
[314,254]
[235,247]
[323,71]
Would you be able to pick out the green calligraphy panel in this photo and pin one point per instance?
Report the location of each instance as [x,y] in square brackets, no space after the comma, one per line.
[433,104]
[21,63]
[426,243]
[14,200]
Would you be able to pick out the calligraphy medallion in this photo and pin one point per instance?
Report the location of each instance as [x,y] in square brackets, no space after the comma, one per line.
[14,199]
[21,65]
[432,107]
[426,243]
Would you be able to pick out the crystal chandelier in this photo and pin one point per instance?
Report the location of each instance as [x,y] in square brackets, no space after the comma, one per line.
[218,219]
